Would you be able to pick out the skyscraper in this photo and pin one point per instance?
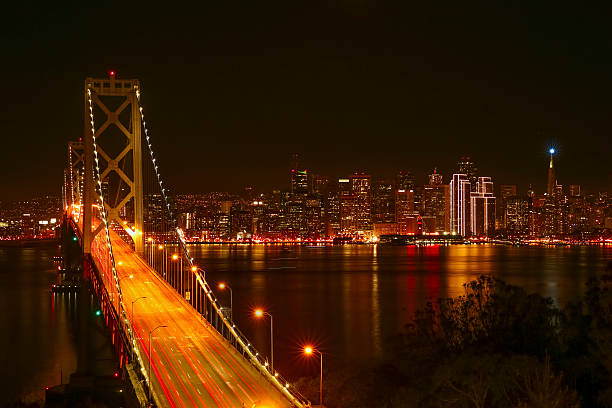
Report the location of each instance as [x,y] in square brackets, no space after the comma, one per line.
[405,216]
[435,178]
[552,178]
[460,205]
[299,181]
[436,204]
[349,214]
[517,211]
[467,166]
[404,181]
[482,208]
[574,190]
[383,202]
[505,192]
[361,187]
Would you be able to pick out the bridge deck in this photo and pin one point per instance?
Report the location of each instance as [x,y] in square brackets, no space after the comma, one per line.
[193,365]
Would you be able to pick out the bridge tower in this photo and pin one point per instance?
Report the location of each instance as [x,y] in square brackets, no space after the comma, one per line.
[74,173]
[119,147]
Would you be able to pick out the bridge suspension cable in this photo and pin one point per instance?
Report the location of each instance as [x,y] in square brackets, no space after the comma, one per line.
[99,190]
[238,340]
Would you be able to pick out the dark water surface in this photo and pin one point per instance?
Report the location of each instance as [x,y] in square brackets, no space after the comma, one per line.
[351,299]
[347,300]
[36,326]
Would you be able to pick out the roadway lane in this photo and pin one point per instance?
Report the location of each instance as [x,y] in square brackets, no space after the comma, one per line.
[193,365]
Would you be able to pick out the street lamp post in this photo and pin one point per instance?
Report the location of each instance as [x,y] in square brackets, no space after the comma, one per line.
[176,280]
[309,350]
[223,285]
[132,322]
[164,261]
[261,313]
[203,300]
[151,358]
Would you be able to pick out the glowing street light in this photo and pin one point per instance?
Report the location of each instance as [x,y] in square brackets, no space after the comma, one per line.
[132,322]
[179,285]
[551,150]
[222,286]
[131,276]
[309,350]
[259,313]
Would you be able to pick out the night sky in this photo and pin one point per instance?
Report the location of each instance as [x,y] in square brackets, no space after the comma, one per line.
[231,91]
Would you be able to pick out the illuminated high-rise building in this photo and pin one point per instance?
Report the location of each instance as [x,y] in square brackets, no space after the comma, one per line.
[383,202]
[361,187]
[405,180]
[467,166]
[435,178]
[482,208]
[505,192]
[312,216]
[405,216]
[552,178]
[554,206]
[349,214]
[344,186]
[574,190]
[320,184]
[436,204]
[299,181]
[517,211]
[460,189]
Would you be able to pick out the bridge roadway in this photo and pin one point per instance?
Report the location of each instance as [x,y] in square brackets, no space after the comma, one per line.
[193,366]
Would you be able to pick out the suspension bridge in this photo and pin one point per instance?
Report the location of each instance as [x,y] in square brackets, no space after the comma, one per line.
[179,346]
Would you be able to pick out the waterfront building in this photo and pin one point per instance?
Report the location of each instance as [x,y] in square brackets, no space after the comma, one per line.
[460,189]
[349,214]
[482,208]
[383,202]
[466,166]
[312,215]
[361,187]
[516,216]
[505,192]
[436,204]
[405,216]
[384,228]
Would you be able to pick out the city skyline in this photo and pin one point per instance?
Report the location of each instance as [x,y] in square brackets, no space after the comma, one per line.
[358,206]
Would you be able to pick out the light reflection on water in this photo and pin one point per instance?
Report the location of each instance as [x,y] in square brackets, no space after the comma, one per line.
[351,299]
[37,326]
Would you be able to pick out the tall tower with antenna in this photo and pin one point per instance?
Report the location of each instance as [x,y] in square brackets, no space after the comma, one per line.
[552,179]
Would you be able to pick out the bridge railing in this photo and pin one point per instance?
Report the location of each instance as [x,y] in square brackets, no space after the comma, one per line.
[211,311]
[169,233]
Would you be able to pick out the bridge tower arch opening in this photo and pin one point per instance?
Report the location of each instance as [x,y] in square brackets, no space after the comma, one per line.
[118,141]
[74,174]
